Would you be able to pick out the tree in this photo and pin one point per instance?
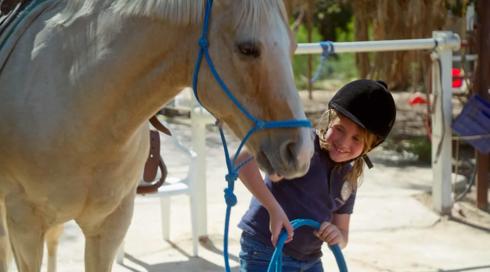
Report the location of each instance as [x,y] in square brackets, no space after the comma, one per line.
[482,85]
[400,19]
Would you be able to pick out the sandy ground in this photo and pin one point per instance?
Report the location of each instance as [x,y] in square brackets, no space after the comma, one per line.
[393,227]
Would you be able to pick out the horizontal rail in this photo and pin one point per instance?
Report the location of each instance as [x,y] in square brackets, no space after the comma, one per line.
[466,58]
[377,46]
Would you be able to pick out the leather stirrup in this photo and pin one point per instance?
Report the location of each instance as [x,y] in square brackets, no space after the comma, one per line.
[156,124]
[154,161]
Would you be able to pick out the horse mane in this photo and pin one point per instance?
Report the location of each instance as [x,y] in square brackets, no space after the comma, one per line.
[173,11]
[181,12]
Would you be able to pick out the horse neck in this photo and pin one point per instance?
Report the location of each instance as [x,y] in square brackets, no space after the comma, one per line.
[149,64]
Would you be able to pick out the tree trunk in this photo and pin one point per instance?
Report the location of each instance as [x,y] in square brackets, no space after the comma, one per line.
[400,19]
[482,87]
[363,14]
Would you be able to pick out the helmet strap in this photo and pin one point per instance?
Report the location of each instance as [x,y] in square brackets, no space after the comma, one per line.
[367,160]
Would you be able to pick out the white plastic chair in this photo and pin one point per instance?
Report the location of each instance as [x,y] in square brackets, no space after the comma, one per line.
[174,186]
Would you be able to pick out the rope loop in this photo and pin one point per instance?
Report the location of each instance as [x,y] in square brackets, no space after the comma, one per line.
[203,43]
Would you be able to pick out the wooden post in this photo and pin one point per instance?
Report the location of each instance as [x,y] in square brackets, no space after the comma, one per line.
[482,87]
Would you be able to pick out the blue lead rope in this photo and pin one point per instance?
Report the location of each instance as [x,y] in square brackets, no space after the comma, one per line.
[258,124]
[276,261]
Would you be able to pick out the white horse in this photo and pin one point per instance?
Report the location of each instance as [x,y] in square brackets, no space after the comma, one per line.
[80,78]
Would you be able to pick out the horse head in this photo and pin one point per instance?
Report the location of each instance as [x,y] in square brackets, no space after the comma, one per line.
[251,47]
[86,75]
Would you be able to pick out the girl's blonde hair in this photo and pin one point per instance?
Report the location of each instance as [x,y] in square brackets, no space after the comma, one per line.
[369,139]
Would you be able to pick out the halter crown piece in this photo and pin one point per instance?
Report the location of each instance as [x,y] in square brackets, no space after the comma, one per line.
[233,169]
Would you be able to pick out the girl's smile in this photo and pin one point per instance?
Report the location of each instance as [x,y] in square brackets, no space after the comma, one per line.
[344,139]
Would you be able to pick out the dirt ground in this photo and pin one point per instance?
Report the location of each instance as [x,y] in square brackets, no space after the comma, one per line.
[411,123]
[393,228]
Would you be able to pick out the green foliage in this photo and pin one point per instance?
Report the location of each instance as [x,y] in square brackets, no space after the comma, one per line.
[332,17]
[338,66]
[421,147]
[346,34]
[418,146]
[302,35]
[457,7]
[300,63]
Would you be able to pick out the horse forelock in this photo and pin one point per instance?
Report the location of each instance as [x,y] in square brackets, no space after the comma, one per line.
[252,16]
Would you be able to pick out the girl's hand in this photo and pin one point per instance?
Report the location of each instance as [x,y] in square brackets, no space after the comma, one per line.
[329,233]
[278,221]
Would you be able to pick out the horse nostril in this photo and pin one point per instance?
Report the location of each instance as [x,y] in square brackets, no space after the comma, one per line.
[289,152]
[295,157]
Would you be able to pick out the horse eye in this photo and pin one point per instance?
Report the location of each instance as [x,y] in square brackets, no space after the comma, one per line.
[249,49]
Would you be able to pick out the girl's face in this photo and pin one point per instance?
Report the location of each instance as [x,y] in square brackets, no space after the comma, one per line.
[345,139]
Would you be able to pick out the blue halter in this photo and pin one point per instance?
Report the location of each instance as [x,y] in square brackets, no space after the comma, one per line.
[233,169]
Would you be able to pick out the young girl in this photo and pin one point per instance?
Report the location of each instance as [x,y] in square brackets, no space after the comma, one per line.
[359,117]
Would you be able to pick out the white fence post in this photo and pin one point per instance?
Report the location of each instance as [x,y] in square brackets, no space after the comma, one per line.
[441,120]
[199,119]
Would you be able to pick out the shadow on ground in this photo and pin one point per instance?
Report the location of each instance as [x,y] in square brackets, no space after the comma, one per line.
[193,264]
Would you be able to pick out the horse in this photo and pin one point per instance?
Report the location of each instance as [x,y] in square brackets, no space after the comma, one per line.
[80,78]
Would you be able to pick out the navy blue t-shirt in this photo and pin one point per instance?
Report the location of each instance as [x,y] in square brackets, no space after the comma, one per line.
[316,195]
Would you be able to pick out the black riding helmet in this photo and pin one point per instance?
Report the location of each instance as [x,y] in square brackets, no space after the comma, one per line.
[369,104]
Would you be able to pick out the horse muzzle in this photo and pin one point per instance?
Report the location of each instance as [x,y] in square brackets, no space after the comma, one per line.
[287,155]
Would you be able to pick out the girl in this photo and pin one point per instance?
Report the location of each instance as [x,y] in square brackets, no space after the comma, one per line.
[359,117]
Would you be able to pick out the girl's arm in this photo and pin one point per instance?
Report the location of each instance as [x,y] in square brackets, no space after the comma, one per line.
[336,232]
[252,179]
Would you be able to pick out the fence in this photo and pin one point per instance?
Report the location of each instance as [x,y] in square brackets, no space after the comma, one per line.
[442,44]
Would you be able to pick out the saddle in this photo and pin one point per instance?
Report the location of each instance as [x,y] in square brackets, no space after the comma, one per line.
[9,9]
[6,6]
[154,161]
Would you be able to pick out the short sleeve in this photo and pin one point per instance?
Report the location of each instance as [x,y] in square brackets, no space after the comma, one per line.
[348,206]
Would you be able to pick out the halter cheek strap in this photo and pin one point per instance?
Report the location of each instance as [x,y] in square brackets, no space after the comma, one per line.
[258,124]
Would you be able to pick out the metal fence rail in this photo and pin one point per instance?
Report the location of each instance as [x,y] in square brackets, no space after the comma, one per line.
[369,46]
[442,43]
